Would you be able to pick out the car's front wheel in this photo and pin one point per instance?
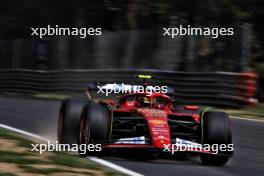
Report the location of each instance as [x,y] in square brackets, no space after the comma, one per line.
[68,123]
[94,125]
[216,130]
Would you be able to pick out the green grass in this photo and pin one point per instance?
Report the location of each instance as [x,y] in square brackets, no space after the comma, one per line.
[256,112]
[6,174]
[47,171]
[49,96]
[28,161]
[18,158]
[72,161]
[54,95]
[22,142]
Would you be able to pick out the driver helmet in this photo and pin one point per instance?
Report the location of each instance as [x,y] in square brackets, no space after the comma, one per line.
[143,101]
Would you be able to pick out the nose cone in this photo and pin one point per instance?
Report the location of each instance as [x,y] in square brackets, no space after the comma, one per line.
[159,131]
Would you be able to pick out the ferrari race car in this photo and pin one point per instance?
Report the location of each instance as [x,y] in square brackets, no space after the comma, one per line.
[150,122]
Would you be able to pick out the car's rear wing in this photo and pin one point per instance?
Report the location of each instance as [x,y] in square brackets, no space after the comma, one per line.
[128,88]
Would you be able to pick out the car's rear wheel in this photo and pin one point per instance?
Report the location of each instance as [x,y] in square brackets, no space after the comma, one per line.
[216,129]
[94,125]
[69,118]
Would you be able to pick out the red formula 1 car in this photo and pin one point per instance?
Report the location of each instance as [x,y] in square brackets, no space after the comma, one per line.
[140,120]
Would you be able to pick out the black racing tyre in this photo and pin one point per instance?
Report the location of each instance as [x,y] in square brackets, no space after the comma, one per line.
[94,124]
[69,118]
[216,129]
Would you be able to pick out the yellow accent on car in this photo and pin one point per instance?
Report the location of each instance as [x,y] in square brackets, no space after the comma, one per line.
[144,76]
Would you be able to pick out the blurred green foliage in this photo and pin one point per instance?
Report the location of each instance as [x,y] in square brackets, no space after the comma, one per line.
[17,16]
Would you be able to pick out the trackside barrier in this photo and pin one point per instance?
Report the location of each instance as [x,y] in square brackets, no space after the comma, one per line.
[210,88]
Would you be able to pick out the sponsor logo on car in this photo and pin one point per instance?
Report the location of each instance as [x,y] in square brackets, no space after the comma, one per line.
[157,122]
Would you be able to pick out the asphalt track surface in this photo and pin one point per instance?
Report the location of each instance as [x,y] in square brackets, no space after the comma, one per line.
[40,117]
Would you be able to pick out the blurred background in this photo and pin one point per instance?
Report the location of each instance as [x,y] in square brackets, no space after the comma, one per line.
[36,74]
[132,35]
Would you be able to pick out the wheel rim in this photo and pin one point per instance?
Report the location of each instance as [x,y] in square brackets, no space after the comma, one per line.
[84,133]
[60,126]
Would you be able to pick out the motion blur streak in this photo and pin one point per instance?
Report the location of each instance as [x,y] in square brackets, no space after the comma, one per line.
[38,117]
[95,159]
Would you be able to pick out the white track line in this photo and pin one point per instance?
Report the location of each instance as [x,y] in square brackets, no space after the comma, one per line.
[114,166]
[23,132]
[95,159]
[248,119]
